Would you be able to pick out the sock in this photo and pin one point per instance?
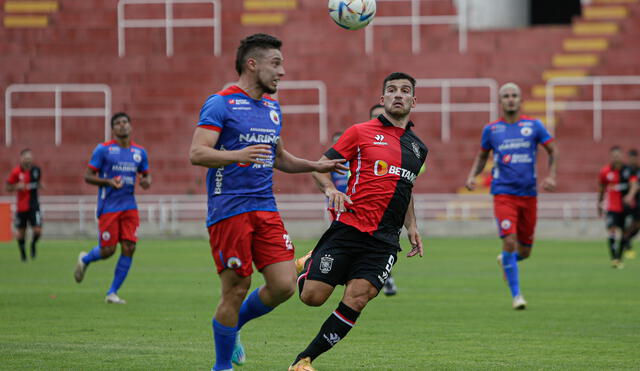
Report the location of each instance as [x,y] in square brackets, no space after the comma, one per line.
[612,247]
[252,307]
[621,247]
[224,338]
[334,329]
[122,269]
[23,253]
[35,239]
[510,266]
[518,256]
[92,256]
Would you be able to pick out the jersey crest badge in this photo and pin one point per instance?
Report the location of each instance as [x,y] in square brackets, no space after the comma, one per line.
[137,157]
[416,149]
[274,117]
[526,131]
[326,263]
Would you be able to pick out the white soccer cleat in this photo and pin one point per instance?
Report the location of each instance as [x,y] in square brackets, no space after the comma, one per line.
[81,267]
[519,303]
[114,299]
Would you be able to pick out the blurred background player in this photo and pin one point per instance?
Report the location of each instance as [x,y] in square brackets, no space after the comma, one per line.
[616,180]
[114,167]
[634,210]
[360,247]
[514,140]
[25,179]
[238,139]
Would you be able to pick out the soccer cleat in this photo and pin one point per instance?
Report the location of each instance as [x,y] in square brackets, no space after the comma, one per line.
[630,254]
[302,365]
[301,261]
[113,298]
[519,303]
[81,267]
[389,288]
[504,274]
[617,264]
[238,356]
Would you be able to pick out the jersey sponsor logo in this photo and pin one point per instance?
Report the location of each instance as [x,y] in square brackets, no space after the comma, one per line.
[526,131]
[106,236]
[517,158]
[238,101]
[113,150]
[234,263]
[217,189]
[505,224]
[244,164]
[498,128]
[381,168]
[124,166]
[326,263]
[258,138]
[525,123]
[611,176]
[275,118]
[416,149]
[379,140]
[514,144]
[287,241]
[269,104]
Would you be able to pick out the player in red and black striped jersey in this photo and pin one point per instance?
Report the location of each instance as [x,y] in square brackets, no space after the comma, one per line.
[633,211]
[360,247]
[620,186]
[25,180]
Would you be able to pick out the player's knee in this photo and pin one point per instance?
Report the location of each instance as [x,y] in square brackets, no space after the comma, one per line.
[128,248]
[312,299]
[107,251]
[524,253]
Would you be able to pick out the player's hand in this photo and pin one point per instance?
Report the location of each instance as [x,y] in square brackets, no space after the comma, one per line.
[256,154]
[145,182]
[337,200]
[628,200]
[549,184]
[416,243]
[470,183]
[328,166]
[600,208]
[115,182]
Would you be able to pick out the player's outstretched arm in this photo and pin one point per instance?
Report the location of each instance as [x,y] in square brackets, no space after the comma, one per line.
[478,165]
[549,183]
[412,231]
[289,163]
[91,177]
[202,152]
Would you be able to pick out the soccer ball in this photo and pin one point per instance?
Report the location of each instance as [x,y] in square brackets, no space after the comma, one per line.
[352,14]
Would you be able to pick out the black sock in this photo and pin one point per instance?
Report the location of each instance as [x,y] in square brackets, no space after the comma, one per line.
[612,247]
[23,253]
[35,239]
[334,329]
[620,248]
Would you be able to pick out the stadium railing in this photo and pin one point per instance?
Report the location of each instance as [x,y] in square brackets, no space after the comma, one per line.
[320,108]
[445,107]
[169,22]
[415,20]
[57,112]
[597,104]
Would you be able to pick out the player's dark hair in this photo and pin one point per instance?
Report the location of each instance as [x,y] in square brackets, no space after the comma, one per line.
[633,152]
[375,107]
[399,76]
[117,116]
[25,151]
[615,148]
[252,44]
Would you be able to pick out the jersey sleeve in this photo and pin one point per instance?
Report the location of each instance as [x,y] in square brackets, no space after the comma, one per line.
[346,146]
[143,167]
[485,142]
[543,135]
[602,177]
[213,113]
[97,158]
[13,176]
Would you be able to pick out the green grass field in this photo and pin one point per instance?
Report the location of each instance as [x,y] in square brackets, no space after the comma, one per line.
[452,312]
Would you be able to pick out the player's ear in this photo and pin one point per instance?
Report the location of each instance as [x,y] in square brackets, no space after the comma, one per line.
[415,100]
[381,101]
[251,64]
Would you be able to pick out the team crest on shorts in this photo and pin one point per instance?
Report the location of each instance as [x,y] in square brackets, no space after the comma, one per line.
[234,263]
[106,235]
[326,263]
[505,224]
[287,241]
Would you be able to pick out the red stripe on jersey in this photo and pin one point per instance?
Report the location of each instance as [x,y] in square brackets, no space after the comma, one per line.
[93,167]
[211,127]
[548,141]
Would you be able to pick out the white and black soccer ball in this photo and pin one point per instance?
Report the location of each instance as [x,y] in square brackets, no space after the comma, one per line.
[352,14]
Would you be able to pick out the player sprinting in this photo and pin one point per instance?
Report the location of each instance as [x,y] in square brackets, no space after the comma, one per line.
[360,247]
[238,139]
[25,179]
[514,140]
[634,210]
[620,185]
[115,167]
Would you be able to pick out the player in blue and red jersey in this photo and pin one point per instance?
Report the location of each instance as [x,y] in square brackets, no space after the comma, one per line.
[238,139]
[514,141]
[25,179]
[620,185]
[360,247]
[115,167]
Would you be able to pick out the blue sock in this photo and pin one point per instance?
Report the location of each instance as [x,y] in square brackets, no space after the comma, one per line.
[224,338]
[252,307]
[122,269]
[510,265]
[92,256]
[518,256]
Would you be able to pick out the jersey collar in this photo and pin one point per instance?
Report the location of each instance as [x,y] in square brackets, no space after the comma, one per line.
[386,122]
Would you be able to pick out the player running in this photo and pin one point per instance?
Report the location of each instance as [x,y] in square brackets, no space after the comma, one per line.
[114,168]
[238,139]
[360,247]
[514,140]
[25,179]
[620,184]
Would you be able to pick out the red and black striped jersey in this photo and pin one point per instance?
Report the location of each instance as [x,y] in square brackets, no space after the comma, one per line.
[28,196]
[384,161]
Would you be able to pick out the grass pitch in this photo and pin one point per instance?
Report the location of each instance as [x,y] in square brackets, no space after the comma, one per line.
[452,312]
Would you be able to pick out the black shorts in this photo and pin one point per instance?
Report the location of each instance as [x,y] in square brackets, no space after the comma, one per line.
[634,213]
[615,219]
[344,253]
[33,217]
